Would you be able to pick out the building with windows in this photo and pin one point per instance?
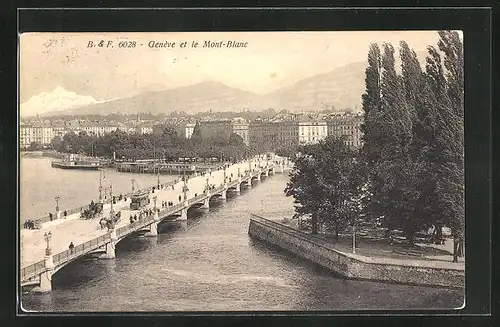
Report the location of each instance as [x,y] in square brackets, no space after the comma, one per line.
[185,129]
[59,129]
[347,126]
[188,130]
[26,135]
[42,133]
[241,127]
[312,131]
[272,135]
[97,128]
[144,129]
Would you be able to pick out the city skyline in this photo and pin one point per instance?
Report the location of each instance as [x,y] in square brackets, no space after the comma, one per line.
[270,61]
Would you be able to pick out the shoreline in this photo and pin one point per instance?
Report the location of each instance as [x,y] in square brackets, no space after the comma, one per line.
[355,266]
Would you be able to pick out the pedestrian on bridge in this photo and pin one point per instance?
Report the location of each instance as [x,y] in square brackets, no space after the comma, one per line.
[71,247]
[179,199]
[65,214]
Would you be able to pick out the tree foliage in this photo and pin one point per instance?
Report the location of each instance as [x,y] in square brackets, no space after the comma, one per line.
[413,136]
[167,145]
[326,183]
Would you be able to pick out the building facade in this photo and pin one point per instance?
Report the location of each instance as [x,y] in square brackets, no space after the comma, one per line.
[185,129]
[25,135]
[241,128]
[347,126]
[272,135]
[311,131]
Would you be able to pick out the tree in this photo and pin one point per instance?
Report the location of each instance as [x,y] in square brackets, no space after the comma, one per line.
[447,88]
[57,144]
[389,106]
[371,128]
[196,137]
[305,189]
[34,146]
[236,140]
[219,138]
[325,183]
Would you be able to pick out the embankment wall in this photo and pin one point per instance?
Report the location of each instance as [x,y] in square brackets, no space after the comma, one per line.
[317,250]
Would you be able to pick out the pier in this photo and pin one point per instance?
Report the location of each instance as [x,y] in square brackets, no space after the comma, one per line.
[150,166]
[45,251]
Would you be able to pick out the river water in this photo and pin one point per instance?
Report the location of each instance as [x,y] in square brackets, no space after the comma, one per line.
[208,263]
[40,184]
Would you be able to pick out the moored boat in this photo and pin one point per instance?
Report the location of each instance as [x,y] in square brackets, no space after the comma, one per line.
[74,162]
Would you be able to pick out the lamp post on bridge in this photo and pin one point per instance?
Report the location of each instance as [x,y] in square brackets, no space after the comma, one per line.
[48,237]
[111,212]
[58,213]
[185,189]
[133,189]
[155,167]
[101,172]
[158,176]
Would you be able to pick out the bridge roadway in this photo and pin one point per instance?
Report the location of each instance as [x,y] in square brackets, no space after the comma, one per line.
[80,231]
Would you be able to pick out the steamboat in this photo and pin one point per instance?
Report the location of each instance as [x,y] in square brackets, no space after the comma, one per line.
[75,162]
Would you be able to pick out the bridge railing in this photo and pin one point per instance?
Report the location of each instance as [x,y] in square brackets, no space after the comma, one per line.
[171,210]
[80,249]
[32,270]
[125,230]
[197,198]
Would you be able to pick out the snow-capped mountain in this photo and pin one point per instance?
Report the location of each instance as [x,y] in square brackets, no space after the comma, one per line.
[57,100]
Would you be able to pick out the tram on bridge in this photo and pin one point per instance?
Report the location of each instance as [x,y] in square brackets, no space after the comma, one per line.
[139,200]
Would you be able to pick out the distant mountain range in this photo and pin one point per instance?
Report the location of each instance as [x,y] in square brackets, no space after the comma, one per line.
[55,102]
[341,88]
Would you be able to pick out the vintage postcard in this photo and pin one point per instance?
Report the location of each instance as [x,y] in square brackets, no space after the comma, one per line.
[241,171]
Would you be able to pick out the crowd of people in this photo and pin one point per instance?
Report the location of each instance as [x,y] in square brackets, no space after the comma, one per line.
[142,214]
[30,224]
[166,204]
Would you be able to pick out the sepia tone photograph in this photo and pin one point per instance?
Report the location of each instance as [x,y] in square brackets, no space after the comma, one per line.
[241,171]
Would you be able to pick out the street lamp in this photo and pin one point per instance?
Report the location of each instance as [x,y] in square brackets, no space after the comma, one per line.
[155,166]
[185,189]
[133,189]
[158,175]
[101,173]
[111,212]
[57,203]
[48,236]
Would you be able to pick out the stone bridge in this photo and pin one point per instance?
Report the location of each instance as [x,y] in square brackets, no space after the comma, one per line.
[230,178]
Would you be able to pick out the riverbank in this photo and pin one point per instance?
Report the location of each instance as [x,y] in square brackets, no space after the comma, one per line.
[357,266]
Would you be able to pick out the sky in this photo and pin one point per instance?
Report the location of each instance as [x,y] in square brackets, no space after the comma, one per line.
[270,60]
